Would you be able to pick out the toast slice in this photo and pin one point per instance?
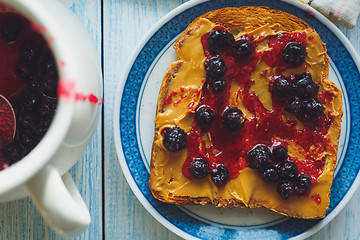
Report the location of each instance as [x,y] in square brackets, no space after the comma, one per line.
[263,131]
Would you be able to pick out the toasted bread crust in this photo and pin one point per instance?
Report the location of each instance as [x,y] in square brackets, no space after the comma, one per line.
[235,20]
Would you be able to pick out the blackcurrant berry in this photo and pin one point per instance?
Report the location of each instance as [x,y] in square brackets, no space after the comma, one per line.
[199,168]
[304,87]
[259,156]
[313,109]
[30,50]
[13,151]
[220,175]
[302,184]
[48,65]
[25,69]
[204,116]
[215,67]
[295,106]
[243,48]
[11,29]
[233,118]
[294,54]
[280,154]
[288,170]
[174,139]
[281,87]
[31,98]
[217,85]
[269,174]
[285,189]
[218,40]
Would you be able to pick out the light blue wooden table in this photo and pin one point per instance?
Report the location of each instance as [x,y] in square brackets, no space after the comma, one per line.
[116,27]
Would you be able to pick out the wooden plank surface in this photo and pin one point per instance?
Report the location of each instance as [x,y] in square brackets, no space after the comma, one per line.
[125,23]
[20,219]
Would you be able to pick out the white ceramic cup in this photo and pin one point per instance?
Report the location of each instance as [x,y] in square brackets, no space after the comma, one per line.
[42,174]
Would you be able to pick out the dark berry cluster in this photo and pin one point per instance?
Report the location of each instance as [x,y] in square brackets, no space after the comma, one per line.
[300,95]
[220,40]
[35,106]
[275,168]
[199,168]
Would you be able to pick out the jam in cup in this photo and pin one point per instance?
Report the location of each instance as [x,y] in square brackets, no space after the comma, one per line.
[50,100]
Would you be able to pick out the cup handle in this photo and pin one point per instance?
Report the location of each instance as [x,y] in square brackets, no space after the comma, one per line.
[59,201]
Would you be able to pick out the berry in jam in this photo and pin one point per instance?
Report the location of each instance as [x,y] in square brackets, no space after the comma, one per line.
[174,139]
[243,48]
[285,189]
[288,170]
[47,64]
[313,109]
[233,118]
[279,153]
[302,184]
[294,54]
[281,86]
[25,51]
[204,116]
[28,119]
[48,85]
[215,67]
[295,106]
[304,87]
[30,50]
[13,152]
[43,126]
[217,85]
[11,28]
[220,175]
[259,156]
[31,98]
[28,139]
[47,107]
[25,69]
[218,40]
[269,174]
[199,168]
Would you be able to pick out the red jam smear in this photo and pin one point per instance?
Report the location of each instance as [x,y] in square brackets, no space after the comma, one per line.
[274,58]
[316,198]
[66,89]
[230,148]
[326,96]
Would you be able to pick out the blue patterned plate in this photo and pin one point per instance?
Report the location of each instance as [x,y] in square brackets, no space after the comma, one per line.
[134,129]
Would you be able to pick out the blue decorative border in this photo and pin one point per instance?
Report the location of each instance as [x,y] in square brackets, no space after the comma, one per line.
[127,121]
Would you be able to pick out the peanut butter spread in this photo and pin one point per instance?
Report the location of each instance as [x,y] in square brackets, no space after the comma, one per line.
[182,87]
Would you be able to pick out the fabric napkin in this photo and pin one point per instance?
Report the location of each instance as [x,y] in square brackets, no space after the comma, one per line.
[344,12]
